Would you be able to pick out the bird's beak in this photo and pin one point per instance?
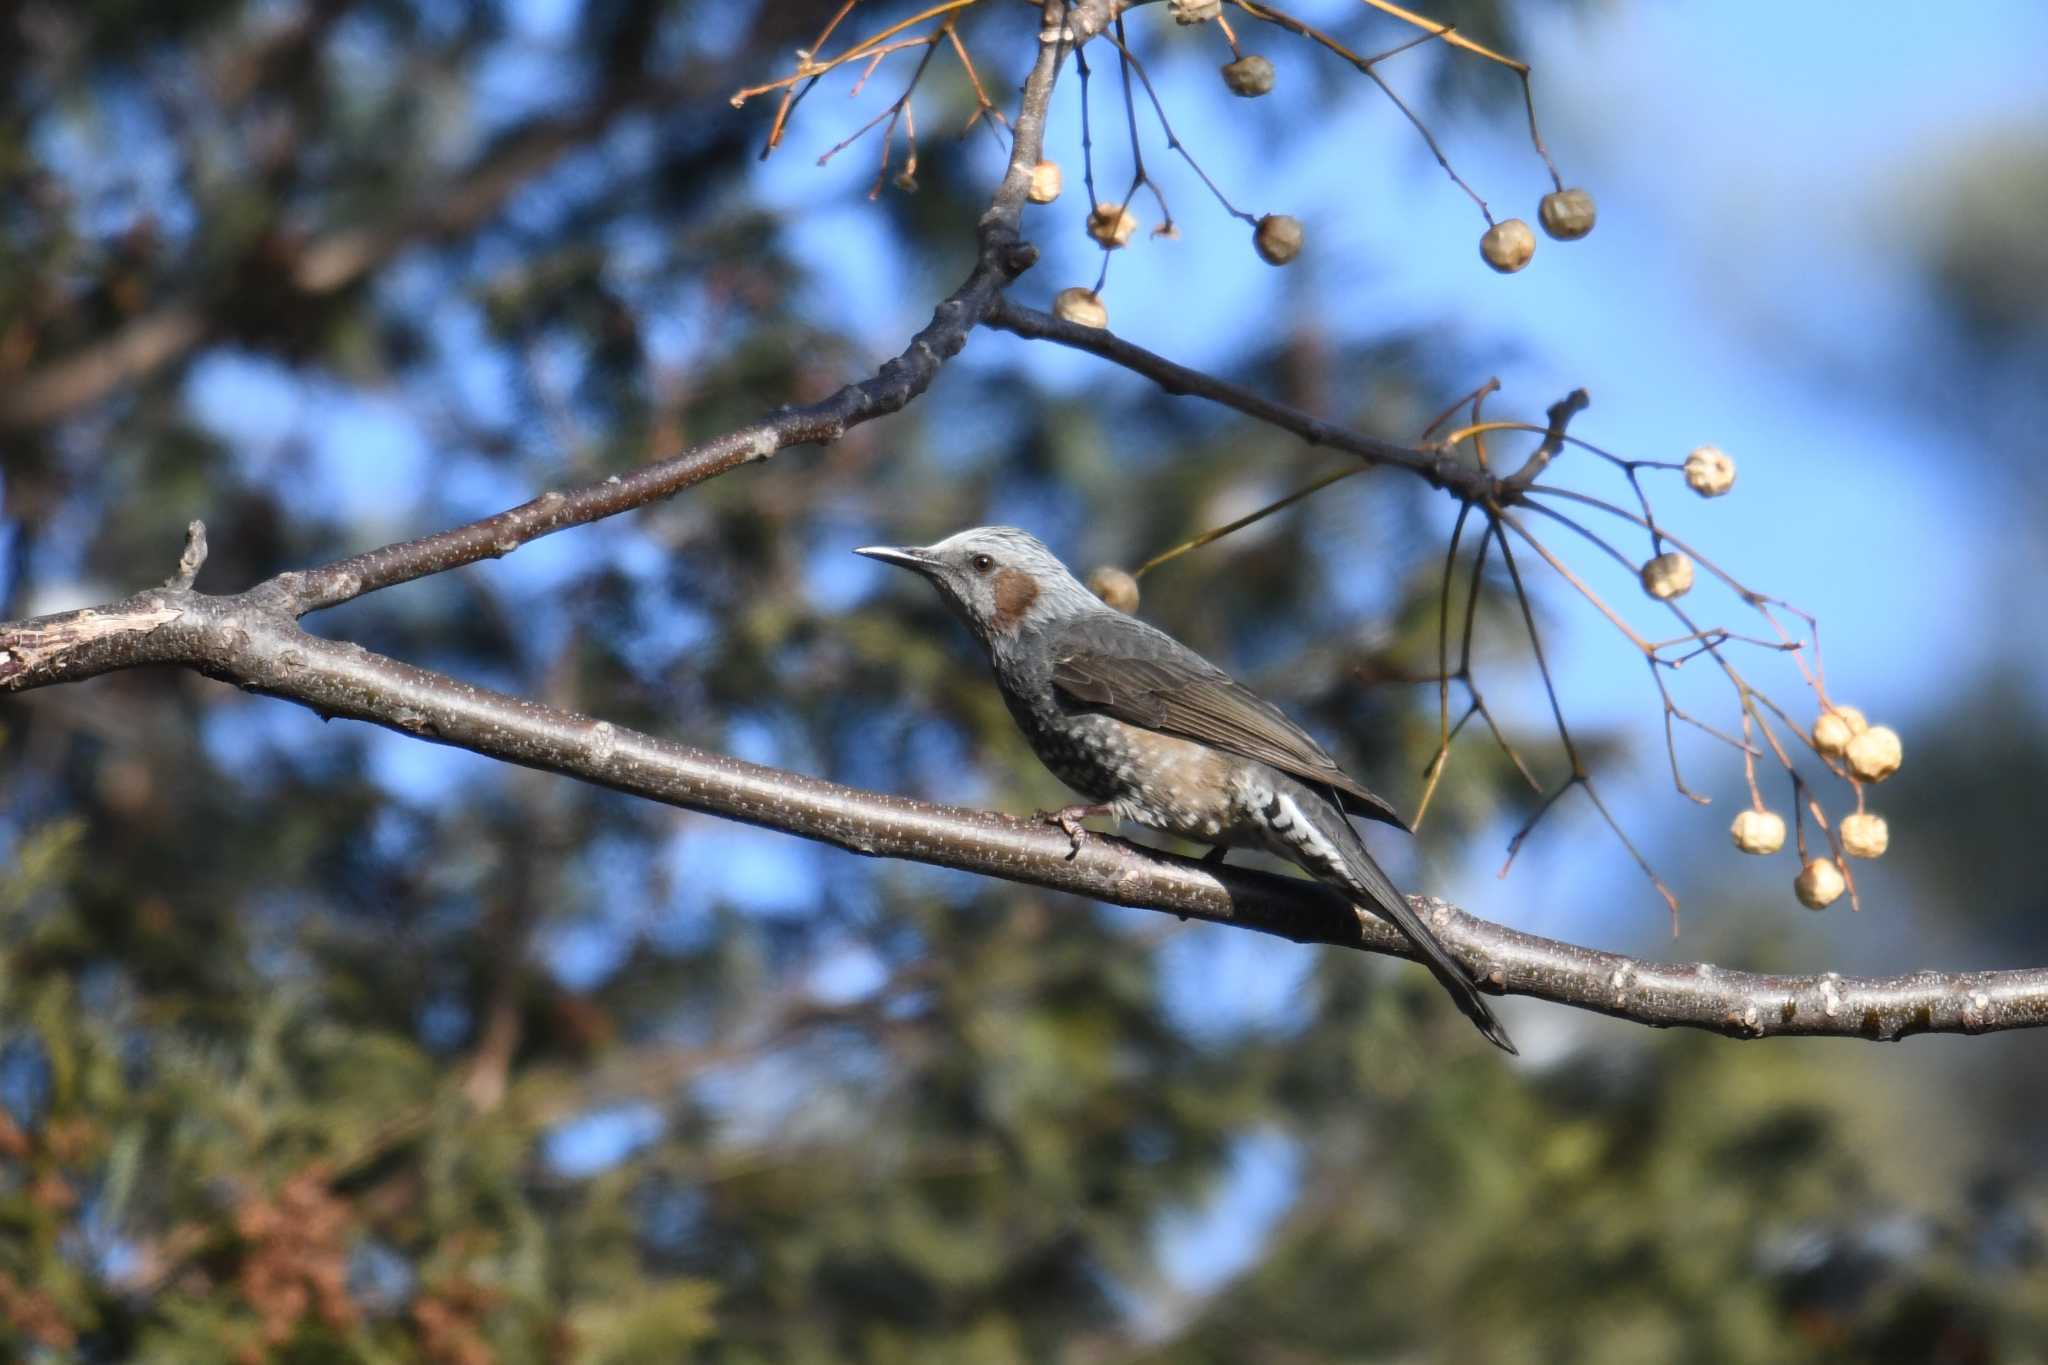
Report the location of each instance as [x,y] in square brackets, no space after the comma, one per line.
[903,556]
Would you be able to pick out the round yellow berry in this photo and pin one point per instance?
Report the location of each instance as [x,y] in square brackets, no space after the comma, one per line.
[1112,224]
[1116,587]
[1045,183]
[1758,831]
[1667,576]
[1566,215]
[1865,835]
[1875,754]
[1080,306]
[1836,727]
[1507,246]
[1709,472]
[1819,883]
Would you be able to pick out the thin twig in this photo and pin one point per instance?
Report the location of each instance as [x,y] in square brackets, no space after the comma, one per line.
[791,94]
[1173,141]
[1218,532]
[811,68]
[1282,19]
[1580,776]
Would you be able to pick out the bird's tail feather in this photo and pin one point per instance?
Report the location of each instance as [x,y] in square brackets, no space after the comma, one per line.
[1363,878]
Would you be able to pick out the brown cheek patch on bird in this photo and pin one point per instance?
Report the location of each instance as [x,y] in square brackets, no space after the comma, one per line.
[1015,592]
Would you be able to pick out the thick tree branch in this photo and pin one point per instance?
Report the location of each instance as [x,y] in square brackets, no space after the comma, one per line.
[254,642]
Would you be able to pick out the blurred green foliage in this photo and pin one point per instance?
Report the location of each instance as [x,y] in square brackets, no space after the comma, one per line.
[316,1049]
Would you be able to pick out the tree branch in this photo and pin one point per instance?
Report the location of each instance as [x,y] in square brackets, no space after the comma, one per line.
[253,641]
[1002,256]
[1439,469]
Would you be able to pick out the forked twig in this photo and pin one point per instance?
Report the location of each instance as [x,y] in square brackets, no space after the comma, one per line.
[1173,141]
[1368,66]
[1580,777]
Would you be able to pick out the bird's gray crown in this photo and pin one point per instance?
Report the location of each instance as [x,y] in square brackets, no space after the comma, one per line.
[999,579]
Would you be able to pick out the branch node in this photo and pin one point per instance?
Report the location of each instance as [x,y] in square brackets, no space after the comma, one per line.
[191,560]
[1016,257]
[1561,414]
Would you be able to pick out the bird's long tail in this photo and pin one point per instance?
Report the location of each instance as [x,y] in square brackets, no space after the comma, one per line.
[1323,842]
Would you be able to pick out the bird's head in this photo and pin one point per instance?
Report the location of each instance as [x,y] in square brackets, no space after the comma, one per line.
[998,579]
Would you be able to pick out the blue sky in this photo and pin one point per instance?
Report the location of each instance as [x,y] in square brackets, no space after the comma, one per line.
[1764,173]
[1761,173]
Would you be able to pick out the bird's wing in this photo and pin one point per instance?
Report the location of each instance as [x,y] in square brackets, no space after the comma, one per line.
[1121,667]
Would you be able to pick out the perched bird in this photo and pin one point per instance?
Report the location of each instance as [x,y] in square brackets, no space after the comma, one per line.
[1150,731]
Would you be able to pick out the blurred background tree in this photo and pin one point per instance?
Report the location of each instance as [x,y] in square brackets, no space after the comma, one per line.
[317,1043]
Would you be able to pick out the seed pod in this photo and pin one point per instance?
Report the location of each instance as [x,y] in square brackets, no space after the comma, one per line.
[1196,11]
[1115,587]
[1045,183]
[1758,831]
[1819,883]
[1277,238]
[1709,472]
[1836,727]
[1508,245]
[1250,75]
[1112,225]
[1667,576]
[1875,754]
[1080,306]
[1865,835]
[1566,215]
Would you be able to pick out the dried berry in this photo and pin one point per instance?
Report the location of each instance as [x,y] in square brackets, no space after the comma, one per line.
[1080,306]
[1865,835]
[1277,238]
[1709,472]
[1836,727]
[1819,883]
[1507,246]
[1249,75]
[1667,576]
[1875,754]
[1045,183]
[1759,831]
[1566,215]
[1115,587]
[1112,224]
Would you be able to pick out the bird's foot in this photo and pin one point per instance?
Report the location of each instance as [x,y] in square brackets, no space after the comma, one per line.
[1069,819]
[1215,856]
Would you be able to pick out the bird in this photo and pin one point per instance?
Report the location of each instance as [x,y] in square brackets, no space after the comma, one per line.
[1151,732]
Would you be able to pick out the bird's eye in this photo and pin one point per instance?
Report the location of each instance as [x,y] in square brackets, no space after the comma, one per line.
[982,563]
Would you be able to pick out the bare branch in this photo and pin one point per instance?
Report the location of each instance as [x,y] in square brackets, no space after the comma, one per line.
[1003,256]
[252,642]
[1436,468]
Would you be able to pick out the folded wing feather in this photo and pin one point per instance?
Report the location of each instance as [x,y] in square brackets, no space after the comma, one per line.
[1121,667]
